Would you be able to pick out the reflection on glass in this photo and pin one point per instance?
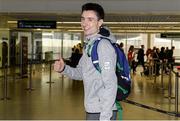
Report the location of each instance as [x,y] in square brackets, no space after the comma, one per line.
[129,39]
[52,41]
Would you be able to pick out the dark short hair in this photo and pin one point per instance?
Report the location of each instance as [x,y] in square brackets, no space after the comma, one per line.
[94,7]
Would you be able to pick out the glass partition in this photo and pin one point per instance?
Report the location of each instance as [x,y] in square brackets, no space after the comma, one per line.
[70,40]
[167,42]
[60,43]
[136,39]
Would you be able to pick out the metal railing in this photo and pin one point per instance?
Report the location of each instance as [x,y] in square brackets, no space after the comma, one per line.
[162,66]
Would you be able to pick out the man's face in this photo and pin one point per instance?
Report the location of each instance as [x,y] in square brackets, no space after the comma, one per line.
[90,23]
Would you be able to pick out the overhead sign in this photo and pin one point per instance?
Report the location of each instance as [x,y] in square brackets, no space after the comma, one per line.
[36,24]
[170,35]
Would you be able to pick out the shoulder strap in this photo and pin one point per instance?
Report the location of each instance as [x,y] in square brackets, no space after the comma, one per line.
[94,54]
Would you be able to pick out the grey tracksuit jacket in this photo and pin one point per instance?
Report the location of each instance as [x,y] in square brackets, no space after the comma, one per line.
[99,88]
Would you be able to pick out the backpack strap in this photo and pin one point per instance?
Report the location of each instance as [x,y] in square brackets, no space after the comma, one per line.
[94,54]
[120,110]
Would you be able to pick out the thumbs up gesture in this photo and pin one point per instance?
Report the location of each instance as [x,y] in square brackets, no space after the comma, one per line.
[59,65]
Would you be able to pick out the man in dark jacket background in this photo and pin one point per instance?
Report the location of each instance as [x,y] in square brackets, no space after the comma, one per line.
[140,57]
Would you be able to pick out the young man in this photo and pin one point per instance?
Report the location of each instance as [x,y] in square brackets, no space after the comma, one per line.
[100,88]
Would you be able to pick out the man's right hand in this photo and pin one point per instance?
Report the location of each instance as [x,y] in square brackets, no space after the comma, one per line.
[59,65]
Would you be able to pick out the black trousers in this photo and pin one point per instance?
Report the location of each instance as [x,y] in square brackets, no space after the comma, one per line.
[142,63]
[95,116]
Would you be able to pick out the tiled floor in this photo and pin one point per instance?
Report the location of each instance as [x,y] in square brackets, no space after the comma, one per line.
[63,99]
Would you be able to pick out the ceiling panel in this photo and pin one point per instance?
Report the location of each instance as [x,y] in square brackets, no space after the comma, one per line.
[124,21]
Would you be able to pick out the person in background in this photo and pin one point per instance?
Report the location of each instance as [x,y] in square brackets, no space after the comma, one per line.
[148,51]
[156,60]
[170,58]
[121,45]
[140,57]
[100,89]
[162,57]
[75,57]
[131,58]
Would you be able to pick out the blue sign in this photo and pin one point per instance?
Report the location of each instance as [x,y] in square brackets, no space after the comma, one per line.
[28,24]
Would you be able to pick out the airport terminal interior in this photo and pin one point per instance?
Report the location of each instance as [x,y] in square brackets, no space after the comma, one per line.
[33,37]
